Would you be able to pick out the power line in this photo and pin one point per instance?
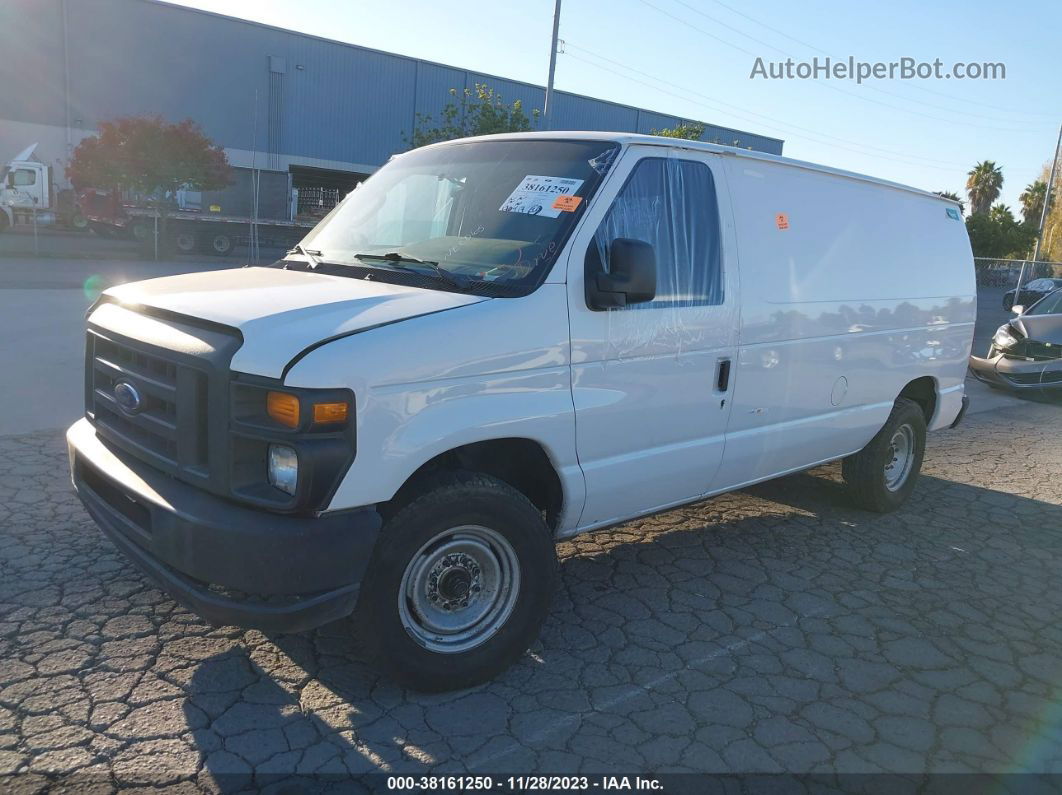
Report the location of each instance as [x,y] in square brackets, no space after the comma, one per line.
[816,81]
[775,125]
[907,158]
[775,30]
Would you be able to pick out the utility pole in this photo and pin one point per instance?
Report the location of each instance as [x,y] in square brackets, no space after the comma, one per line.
[547,108]
[1047,194]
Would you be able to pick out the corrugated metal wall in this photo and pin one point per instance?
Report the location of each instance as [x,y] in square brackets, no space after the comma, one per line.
[316,99]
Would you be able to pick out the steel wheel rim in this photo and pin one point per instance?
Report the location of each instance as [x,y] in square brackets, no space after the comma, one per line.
[900,457]
[185,241]
[459,589]
[221,244]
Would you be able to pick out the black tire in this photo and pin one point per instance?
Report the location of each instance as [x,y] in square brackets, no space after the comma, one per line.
[78,221]
[1008,302]
[865,472]
[217,243]
[142,231]
[186,240]
[454,500]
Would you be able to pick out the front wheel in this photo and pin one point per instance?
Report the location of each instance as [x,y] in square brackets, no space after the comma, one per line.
[458,585]
[882,475]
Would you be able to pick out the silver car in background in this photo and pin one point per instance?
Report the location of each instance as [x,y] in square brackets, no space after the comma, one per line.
[1026,352]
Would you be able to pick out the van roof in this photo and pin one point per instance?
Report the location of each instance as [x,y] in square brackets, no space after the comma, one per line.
[681,143]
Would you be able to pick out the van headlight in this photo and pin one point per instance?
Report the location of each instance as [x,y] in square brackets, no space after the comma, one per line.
[283,468]
[1005,337]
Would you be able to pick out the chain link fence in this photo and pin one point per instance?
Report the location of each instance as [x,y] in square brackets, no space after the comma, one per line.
[1005,273]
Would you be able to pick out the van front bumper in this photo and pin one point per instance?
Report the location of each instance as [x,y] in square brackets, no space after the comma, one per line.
[1017,373]
[230,564]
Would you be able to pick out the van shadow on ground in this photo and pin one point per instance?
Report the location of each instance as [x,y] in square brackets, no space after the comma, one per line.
[692,641]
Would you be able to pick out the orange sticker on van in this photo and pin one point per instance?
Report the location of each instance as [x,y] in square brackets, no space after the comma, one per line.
[567,203]
[782,220]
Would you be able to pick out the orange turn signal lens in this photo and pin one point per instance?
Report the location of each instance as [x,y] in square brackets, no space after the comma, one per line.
[283,408]
[328,413]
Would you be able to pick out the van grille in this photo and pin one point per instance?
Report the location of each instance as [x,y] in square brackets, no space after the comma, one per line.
[169,428]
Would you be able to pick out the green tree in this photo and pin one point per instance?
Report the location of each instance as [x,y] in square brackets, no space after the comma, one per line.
[481,111]
[998,235]
[948,194]
[983,185]
[1001,214]
[149,155]
[1032,201]
[152,157]
[689,130]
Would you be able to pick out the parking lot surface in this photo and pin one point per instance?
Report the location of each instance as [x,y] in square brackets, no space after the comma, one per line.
[775,629]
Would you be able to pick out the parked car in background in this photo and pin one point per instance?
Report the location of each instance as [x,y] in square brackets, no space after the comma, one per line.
[1031,293]
[1026,352]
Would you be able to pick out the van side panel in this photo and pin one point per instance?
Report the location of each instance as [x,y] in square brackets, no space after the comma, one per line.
[850,290]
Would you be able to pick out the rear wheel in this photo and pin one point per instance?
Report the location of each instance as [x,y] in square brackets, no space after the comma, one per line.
[220,244]
[1008,302]
[185,240]
[458,585]
[882,475]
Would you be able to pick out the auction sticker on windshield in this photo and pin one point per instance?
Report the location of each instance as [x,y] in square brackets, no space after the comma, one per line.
[535,195]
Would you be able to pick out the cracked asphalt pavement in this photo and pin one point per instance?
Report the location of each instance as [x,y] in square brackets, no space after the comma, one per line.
[775,629]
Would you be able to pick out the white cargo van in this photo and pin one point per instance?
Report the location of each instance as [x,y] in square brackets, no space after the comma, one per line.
[497,342]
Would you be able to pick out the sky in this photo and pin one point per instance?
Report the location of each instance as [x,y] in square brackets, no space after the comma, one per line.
[694,58]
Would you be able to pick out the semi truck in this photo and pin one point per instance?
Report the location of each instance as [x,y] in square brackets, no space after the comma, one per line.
[211,222]
[28,194]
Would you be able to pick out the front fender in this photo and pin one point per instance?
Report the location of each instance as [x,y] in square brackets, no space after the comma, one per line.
[492,370]
[440,417]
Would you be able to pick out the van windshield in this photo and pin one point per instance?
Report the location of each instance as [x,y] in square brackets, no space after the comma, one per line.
[493,215]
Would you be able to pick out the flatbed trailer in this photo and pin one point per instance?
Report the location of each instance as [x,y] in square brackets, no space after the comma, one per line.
[215,222]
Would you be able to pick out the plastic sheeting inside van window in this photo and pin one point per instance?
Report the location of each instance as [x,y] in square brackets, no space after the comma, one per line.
[672,205]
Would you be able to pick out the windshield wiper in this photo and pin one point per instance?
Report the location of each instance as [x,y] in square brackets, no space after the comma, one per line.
[310,253]
[401,262]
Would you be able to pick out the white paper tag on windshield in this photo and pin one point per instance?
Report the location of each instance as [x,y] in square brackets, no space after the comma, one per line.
[535,195]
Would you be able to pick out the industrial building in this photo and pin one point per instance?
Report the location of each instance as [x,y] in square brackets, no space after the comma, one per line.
[324,111]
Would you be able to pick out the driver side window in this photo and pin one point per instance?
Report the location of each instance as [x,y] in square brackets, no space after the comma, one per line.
[672,205]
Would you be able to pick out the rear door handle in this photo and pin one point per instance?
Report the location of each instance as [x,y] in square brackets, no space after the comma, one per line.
[722,375]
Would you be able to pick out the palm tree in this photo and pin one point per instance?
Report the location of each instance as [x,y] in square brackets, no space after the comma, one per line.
[1032,201]
[1001,213]
[950,194]
[984,183]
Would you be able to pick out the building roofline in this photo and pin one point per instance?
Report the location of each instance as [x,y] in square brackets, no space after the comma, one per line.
[289,31]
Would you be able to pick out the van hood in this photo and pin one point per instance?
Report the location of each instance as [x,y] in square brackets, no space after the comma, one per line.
[281,313]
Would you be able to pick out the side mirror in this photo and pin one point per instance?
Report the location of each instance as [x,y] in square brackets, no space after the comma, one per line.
[631,278]
[1018,309]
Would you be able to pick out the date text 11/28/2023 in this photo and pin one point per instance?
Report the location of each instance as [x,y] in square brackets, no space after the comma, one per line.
[530,783]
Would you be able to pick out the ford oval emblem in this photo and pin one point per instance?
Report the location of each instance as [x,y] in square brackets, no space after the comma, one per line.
[127,397]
